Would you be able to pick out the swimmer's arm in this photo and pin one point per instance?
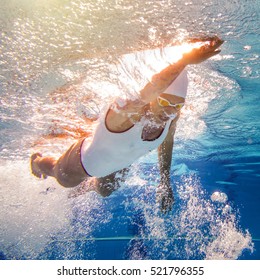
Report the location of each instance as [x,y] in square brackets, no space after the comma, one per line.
[165,153]
[162,80]
[164,193]
[150,92]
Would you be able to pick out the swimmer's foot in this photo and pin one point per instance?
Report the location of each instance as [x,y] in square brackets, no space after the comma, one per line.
[36,171]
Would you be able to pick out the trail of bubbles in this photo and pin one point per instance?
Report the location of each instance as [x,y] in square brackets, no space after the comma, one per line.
[198,228]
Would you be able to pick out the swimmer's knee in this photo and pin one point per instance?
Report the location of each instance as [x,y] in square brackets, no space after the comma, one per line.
[106,190]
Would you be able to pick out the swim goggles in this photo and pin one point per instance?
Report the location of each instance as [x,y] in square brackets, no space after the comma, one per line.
[166,103]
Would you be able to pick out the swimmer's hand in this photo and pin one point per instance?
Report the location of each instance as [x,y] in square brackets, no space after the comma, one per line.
[164,197]
[207,50]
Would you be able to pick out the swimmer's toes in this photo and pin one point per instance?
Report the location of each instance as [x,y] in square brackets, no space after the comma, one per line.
[35,168]
[35,155]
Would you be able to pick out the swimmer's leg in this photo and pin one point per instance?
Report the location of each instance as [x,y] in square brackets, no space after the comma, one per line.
[67,169]
[104,186]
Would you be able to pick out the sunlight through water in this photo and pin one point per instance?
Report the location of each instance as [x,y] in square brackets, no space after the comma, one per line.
[62,61]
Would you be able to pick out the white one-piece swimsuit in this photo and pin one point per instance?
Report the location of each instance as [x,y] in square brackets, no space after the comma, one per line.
[109,151]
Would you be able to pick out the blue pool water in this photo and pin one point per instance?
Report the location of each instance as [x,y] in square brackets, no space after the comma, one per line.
[215,172]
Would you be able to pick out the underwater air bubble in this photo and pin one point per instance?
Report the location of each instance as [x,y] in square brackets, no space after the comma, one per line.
[219,197]
[227,209]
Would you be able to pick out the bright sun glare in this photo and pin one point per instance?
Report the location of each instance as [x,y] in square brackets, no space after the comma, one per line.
[186,48]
